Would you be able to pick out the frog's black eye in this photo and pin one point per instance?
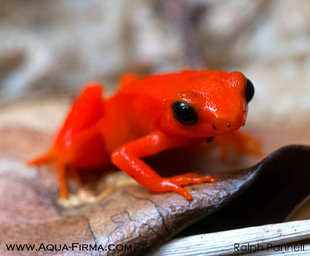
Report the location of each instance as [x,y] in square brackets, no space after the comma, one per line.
[184,113]
[249,91]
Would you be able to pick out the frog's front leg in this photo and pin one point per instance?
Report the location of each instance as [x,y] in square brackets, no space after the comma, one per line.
[127,158]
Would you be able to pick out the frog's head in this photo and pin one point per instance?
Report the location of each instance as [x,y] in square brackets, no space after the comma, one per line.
[207,103]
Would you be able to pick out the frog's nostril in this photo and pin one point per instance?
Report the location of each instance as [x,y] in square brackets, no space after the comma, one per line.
[228,125]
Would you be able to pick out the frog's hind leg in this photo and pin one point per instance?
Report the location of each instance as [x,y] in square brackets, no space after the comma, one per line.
[48,158]
[62,176]
[81,122]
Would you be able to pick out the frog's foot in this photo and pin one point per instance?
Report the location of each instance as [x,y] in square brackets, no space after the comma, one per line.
[241,142]
[175,183]
[191,178]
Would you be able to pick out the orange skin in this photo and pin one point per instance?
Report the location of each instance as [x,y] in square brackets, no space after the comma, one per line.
[138,121]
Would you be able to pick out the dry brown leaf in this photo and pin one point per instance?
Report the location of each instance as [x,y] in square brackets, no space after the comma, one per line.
[126,214]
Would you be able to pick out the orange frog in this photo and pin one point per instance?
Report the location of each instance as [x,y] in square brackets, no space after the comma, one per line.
[147,116]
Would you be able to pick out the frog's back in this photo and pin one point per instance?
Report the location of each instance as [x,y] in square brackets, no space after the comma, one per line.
[167,85]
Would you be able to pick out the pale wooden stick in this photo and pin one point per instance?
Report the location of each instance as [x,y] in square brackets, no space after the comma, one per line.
[222,243]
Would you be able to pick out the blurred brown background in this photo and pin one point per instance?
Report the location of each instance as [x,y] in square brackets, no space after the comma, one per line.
[52,48]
